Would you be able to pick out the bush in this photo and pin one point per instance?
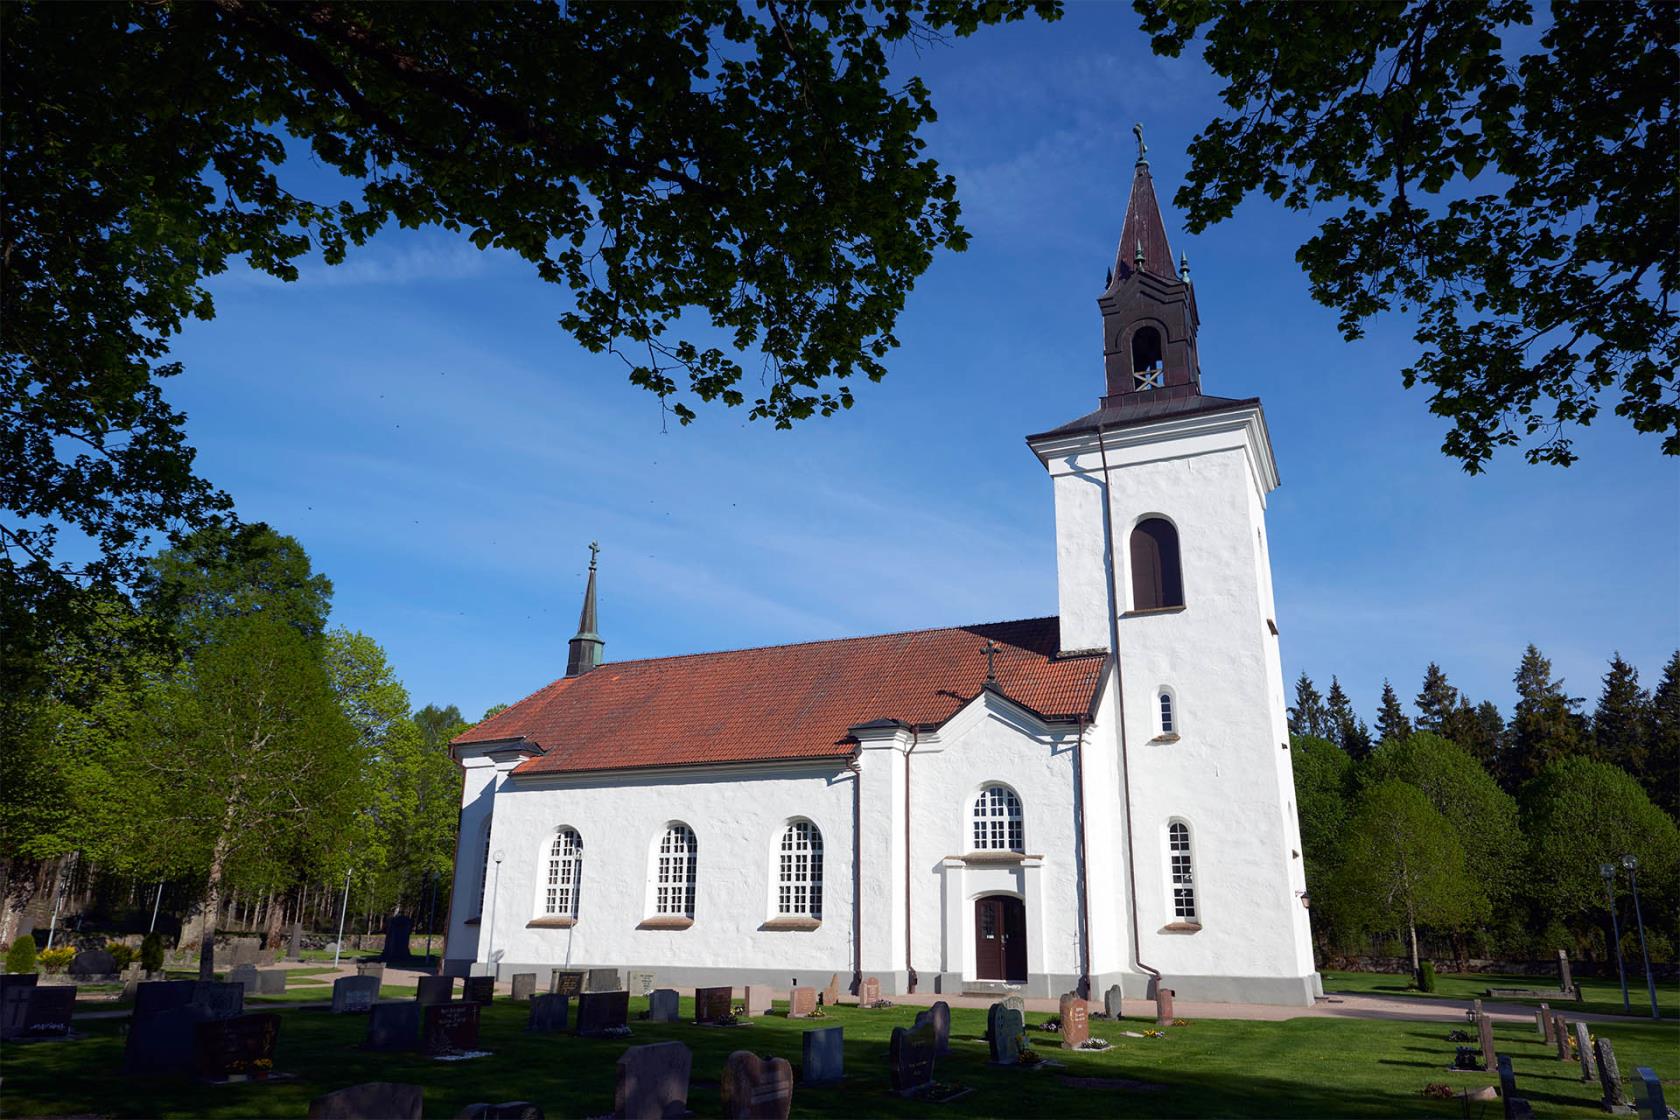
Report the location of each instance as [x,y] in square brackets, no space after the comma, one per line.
[1426,977]
[21,956]
[121,953]
[57,960]
[151,952]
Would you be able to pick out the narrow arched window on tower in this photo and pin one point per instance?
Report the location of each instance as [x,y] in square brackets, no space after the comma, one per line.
[1183,876]
[1147,372]
[1156,581]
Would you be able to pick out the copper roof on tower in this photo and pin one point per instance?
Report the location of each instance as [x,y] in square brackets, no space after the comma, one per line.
[1144,228]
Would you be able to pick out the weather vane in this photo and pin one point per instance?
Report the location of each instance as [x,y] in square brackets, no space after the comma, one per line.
[1137,130]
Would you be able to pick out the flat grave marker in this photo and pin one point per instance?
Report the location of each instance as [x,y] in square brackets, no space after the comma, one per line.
[757,1088]
[652,1081]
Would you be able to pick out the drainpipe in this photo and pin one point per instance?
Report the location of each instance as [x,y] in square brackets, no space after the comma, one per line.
[1120,707]
[857,874]
[909,969]
[1084,985]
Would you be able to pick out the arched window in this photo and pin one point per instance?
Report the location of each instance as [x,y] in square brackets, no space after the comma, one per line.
[678,856]
[484,871]
[1169,717]
[1156,581]
[800,871]
[565,869]
[1146,359]
[997,821]
[1181,871]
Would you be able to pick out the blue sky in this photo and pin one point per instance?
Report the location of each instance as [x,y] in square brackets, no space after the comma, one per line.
[446,453]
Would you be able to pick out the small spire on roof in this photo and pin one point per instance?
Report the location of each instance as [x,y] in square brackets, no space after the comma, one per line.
[584,652]
[1184,267]
[1143,149]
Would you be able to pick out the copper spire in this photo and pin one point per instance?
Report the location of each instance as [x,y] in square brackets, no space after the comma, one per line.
[584,651]
[1143,228]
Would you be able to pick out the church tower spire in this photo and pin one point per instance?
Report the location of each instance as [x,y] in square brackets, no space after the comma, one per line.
[585,651]
[1149,308]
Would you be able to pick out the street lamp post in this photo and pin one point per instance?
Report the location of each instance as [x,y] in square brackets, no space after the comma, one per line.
[343,909]
[1632,866]
[490,935]
[1608,870]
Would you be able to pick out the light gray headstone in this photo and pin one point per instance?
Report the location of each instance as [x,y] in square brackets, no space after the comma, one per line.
[641,982]
[1111,1002]
[1583,1047]
[662,1005]
[353,994]
[603,980]
[270,981]
[1614,1097]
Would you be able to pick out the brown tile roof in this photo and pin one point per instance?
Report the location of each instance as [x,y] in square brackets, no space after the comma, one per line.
[785,702]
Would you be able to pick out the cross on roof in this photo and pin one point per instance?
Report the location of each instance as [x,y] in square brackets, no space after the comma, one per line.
[594,551]
[990,649]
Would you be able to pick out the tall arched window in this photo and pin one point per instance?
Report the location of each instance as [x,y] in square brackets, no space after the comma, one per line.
[565,870]
[1146,359]
[800,871]
[1182,873]
[1169,713]
[484,871]
[1156,581]
[678,857]
[997,821]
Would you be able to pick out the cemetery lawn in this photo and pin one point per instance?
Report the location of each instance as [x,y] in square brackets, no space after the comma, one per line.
[1304,1067]
[1601,997]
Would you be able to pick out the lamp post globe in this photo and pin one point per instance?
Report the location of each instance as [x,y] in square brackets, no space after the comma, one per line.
[1608,870]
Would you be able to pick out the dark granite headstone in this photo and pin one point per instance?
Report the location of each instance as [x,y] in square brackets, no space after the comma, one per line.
[506,1110]
[239,1045]
[549,1013]
[599,1012]
[1006,1030]
[910,1055]
[823,1058]
[449,1028]
[434,989]
[565,982]
[164,1043]
[1111,1002]
[1614,1097]
[1484,1035]
[394,1026]
[1583,1051]
[1163,1007]
[14,1011]
[371,1100]
[47,1011]
[1650,1090]
[712,1004]
[870,994]
[1516,1107]
[652,1081]
[940,1016]
[1076,1021]
[662,1005]
[757,1088]
[479,989]
[802,1003]
[270,982]
[603,980]
[397,929]
[93,962]
[352,994]
[524,985]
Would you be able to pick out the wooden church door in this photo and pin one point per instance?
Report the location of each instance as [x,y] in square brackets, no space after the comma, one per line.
[1000,938]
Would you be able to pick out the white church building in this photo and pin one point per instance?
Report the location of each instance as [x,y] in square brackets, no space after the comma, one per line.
[1043,805]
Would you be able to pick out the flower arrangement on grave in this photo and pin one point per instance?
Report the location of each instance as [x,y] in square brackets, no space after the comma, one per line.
[1030,1057]
[1459,1036]
[1153,1033]
[1438,1089]
[56,960]
[618,1031]
[1095,1043]
[1181,1022]
[881,1003]
[1467,1057]
[1054,1023]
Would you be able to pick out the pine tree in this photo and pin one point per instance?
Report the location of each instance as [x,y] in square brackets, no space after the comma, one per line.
[1545,725]
[1346,729]
[1437,702]
[1622,720]
[1358,744]
[1662,740]
[1391,719]
[1308,715]
[1475,728]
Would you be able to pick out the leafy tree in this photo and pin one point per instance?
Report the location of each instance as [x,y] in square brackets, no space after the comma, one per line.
[492,710]
[761,173]
[1347,729]
[1308,715]
[1436,702]
[439,725]
[1578,814]
[1662,741]
[1391,717]
[1622,719]
[221,572]
[1323,776]
[1544,725]
[1403,866]
[1538,290]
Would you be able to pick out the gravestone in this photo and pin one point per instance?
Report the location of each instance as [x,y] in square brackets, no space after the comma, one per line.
[1516,1108]
[712,1004]
[394,1026]
[93,962]
[831,994]
[1543,1021]
[243,950]
[152,996]
[940,1016]
[599,1012]
[604,980]
[397,929]
[221,1001]
[641,982]
[652,1081]
[1650,1091]
[1076,1021]
[449,1028]
[870,994]
[1163,1007]
[434,989]
[479,989]
[354,994]
[270,982]
[757,1000]
[1583,1048]
[243,1044]
[245,975]
[507,1110]
[524,985]
[1560,1032]
[45,1012]
[164,1043]
[371,1100]
[371,968]
[1484,1034]
[1016,1003]
[14,1010]
[565,982]
[294,944]
[802,1003]
[1111,1002]
[662,1005]
[910,1055]
[757,1088]
[823,1057]
[1006,1030]
[1614,1097]
[549,1013]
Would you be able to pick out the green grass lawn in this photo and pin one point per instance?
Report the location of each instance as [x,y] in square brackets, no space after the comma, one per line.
[1601,997]
[1305,1067]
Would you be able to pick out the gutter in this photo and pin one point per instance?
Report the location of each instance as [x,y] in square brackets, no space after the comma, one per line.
[910,970]
[857,874]
[1084,985]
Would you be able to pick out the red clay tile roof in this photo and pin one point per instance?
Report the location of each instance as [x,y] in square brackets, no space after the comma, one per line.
[785,702]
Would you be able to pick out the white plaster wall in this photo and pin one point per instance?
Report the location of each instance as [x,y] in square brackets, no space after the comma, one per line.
[480,774]
[737,816]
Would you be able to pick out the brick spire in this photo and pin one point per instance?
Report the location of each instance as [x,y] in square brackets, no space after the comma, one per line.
[585,649]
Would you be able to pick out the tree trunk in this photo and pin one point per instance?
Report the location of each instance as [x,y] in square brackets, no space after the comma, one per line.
[212,903]
[1417,969]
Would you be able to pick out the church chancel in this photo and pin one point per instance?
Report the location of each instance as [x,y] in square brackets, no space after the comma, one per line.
[1050,804]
